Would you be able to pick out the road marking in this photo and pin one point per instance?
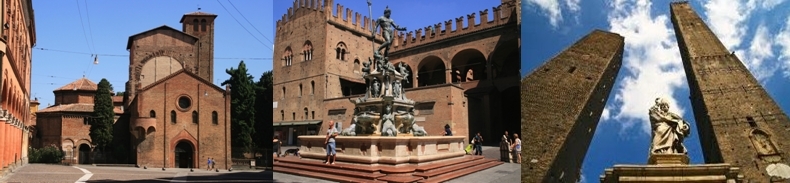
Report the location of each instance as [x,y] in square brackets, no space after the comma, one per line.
[85,177]
[180,177]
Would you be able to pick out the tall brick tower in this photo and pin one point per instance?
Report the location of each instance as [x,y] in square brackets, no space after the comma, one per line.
[201,25]
[561,104]
[738,122]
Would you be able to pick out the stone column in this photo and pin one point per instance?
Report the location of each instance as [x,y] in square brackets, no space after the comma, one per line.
[3,127]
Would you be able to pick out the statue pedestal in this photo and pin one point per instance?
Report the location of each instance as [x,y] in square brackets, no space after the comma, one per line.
[672,168]
[668,159]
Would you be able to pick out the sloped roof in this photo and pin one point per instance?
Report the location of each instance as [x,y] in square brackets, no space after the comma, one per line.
[196,13]
[83,84]
[193,75]
[76,107]
[117,99]
[129,43]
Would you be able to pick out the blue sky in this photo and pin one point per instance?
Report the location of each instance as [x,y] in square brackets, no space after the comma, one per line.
[412,14]
[108,25]
[758,31]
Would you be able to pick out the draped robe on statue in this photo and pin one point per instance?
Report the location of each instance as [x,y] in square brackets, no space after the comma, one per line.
[669,129]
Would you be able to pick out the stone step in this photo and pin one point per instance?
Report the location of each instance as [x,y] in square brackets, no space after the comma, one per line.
[452,168]
[463,172]
[325,176]
[296,160]
[329,169]
[432,166]
[400,178]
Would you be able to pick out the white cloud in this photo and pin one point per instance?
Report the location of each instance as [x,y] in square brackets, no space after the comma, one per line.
[760,50]
[553,9]
[726,19]
[652,62]
[783,41]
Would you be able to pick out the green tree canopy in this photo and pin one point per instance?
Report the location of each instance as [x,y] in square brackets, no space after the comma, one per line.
[263,113]
[242,93]
[103,115]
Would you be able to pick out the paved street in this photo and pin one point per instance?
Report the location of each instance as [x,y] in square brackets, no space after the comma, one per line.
[89,173]
[508,172]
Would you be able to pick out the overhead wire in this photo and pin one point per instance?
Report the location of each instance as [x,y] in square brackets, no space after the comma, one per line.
[248,21]
[242,26]
[90,32]
[117,55]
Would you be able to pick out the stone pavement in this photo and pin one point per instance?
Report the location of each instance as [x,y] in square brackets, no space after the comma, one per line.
[508,172]
[90,173]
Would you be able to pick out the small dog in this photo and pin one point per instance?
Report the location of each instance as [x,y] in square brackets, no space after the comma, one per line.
[294,152]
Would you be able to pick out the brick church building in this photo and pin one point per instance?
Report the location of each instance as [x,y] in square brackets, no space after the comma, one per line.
[463,73]
[177,116]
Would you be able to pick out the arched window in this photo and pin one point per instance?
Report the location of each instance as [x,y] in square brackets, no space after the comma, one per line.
[312,87]
[300,89]
[293,116]
[214,118]
[282,115]
[203,25]
[195,25]
[305,113]
[152,114]
[341,51]
[283,92]
[288,57]
[307,50]
[173,117]
[313,114]
[195,118]
[357,66]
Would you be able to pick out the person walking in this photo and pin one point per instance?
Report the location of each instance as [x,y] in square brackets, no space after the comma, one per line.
[504,148]
[331,133]
[478,144]
[208,164]
[517,148]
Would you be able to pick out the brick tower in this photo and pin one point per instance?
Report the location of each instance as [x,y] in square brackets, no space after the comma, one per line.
[738,122]
[201,25]
[562,101]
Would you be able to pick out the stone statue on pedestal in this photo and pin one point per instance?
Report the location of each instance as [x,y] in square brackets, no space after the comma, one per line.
[669,130]
[388,26]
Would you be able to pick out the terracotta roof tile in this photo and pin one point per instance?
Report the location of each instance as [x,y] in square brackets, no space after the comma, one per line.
[199,13]
[80,84]
[68,108]
[117,98]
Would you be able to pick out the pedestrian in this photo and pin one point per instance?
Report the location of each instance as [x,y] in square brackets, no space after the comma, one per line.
[276,143]
[504,148]
[478,144]
[208,164]
[517,148]
[212,163]
[331,133]
[447,130]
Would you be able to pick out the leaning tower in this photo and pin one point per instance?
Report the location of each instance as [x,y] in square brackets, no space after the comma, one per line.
[738,122]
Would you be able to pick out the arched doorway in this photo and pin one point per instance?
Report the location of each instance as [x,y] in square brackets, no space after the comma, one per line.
[469,65]
[184,155]
[506,59]
[431,71]
[84,154]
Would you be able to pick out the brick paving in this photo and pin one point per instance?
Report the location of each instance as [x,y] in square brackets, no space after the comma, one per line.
[61,173]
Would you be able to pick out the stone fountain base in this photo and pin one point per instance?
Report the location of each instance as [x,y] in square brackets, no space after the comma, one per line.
[381,150]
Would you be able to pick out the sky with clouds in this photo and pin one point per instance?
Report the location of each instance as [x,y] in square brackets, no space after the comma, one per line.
[758,31]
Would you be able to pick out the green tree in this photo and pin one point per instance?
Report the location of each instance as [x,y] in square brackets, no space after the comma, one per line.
[263,113]
[242,107]
[103,116]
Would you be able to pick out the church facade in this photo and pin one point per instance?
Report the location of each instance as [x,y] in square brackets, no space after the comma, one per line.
[177,117]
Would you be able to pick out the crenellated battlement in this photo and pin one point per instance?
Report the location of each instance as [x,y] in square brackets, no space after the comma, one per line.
[503,14]
[336,15]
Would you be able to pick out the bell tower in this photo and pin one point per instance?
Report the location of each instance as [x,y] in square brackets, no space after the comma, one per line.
[201,25]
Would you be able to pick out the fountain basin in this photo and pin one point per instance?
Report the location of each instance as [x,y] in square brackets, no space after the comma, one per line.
[383,150]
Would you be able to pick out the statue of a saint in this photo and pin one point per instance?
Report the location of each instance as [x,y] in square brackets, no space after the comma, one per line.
[388,25]
[669,129]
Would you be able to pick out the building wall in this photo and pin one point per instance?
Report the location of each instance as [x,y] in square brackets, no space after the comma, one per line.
[211,140]
[18,38]
[561,104]
[70,97]
[738,121]
[161,44]
[204,64]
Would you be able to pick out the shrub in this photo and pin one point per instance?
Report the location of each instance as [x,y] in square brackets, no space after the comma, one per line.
[48,154]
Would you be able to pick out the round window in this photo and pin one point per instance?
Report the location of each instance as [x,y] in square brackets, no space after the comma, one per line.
[184,102]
